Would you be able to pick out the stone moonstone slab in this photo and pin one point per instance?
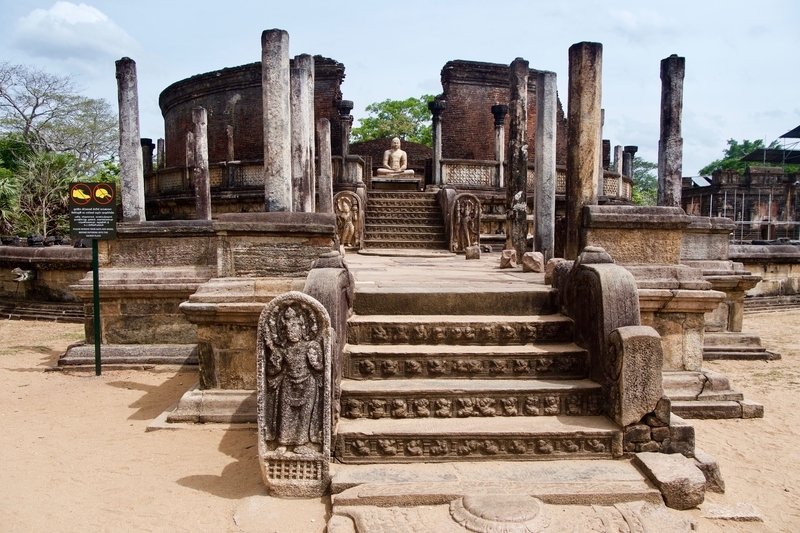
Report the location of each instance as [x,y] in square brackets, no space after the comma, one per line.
[500,514]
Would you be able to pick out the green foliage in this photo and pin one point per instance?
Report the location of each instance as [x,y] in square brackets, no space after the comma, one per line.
[9,190]
[734,152]
[43,195]
[408,119]
[645,182]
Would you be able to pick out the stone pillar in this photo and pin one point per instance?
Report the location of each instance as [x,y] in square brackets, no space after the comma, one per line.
[618,169]
[346,119]
[670,143]
[161,155]
[147,155]
[202,185]
[131,170]
[303,194]
[436,107]
[629,152]
[583,137]
[277,120]
[618,159]
[601,186]
[325,167]
[231,155]
[545,155]
[516,188]
[500,111]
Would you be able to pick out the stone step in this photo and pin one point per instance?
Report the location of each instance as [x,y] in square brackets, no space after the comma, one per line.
[410,230]
[401,211]
[514,361]
[400,194]
[472,299]
[576,482]
[404,218]
[426,234]
[403,244]
[400,202]
[516,438]
[458,329]
[452,398]
[131,354]
[50,312]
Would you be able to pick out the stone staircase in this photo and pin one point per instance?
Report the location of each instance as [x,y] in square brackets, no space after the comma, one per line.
[504,382]
[46,311]
[403,220]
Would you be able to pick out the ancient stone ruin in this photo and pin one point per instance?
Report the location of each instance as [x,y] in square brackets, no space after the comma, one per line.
[450,395]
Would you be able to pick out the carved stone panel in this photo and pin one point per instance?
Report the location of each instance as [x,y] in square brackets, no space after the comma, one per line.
[465,222]
[294,395]
[349,219]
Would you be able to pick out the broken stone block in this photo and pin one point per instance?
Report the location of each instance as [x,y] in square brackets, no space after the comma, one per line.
[710,469]
[738,512]
[751,409]
[681,437]
[548,269]
[532,262]
[508,259]
[639,356]
[681,483]
[473,252]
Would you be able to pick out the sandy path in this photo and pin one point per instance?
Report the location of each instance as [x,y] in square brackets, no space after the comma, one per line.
[74,454]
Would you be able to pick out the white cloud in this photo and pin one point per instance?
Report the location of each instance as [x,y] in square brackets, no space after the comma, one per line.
[644,26]
[70,31]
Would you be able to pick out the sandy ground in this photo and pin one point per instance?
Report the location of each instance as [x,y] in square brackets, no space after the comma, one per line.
[75,456]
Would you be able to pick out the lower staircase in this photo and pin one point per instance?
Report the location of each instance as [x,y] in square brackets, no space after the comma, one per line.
[403,220]
[467,387]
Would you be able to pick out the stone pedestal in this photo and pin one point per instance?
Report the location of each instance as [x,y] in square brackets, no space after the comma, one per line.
[144,276]
[673,298]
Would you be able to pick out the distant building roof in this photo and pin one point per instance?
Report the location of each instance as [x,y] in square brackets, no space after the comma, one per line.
[789,157]
[792,134]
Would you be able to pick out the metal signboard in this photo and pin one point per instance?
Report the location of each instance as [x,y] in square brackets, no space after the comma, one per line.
[92,211]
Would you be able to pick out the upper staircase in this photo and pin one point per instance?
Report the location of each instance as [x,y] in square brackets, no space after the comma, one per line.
[440,375]
[403,220]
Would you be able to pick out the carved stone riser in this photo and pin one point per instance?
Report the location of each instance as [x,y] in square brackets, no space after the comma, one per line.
[391,449]
[460,333]
[415,230]
[399,212]
[402,236]
[373,195]
[417,218]
[569,366]
[487,405]
[437,245]
[402,201]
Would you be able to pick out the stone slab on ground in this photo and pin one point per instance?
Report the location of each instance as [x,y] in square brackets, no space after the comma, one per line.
[681,483]
[710,468]
[510,514]
[214,405]
[707,409]
[131,354]
[563,482]
[737,512]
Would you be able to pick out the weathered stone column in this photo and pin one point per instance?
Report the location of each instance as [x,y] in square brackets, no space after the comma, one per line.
[346,119]
[545,156]
[161,155]
[516,188]
[202,184]
[131,170]
[436,107]
[500,111]
[601,186]
[670,143]
[303,194]
[325,166]
[583,137]
[147,154]
[627,160]
[277,120]
[618,169]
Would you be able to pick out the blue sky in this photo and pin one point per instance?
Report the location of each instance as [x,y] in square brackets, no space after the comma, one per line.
[740,56]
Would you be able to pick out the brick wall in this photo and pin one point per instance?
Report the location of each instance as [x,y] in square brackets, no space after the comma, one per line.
[232,97]
[471,88]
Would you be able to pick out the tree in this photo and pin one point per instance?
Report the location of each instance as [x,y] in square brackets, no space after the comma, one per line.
[45,112]
[43,193]
[645,182]
[734,153]
[408,119]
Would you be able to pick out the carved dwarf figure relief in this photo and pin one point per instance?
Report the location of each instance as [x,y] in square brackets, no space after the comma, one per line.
[465,222]
[348,219]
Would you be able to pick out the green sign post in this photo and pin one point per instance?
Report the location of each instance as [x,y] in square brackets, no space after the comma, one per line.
[93,215]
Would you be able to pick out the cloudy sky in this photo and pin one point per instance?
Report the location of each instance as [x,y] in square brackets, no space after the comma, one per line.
[741,81]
